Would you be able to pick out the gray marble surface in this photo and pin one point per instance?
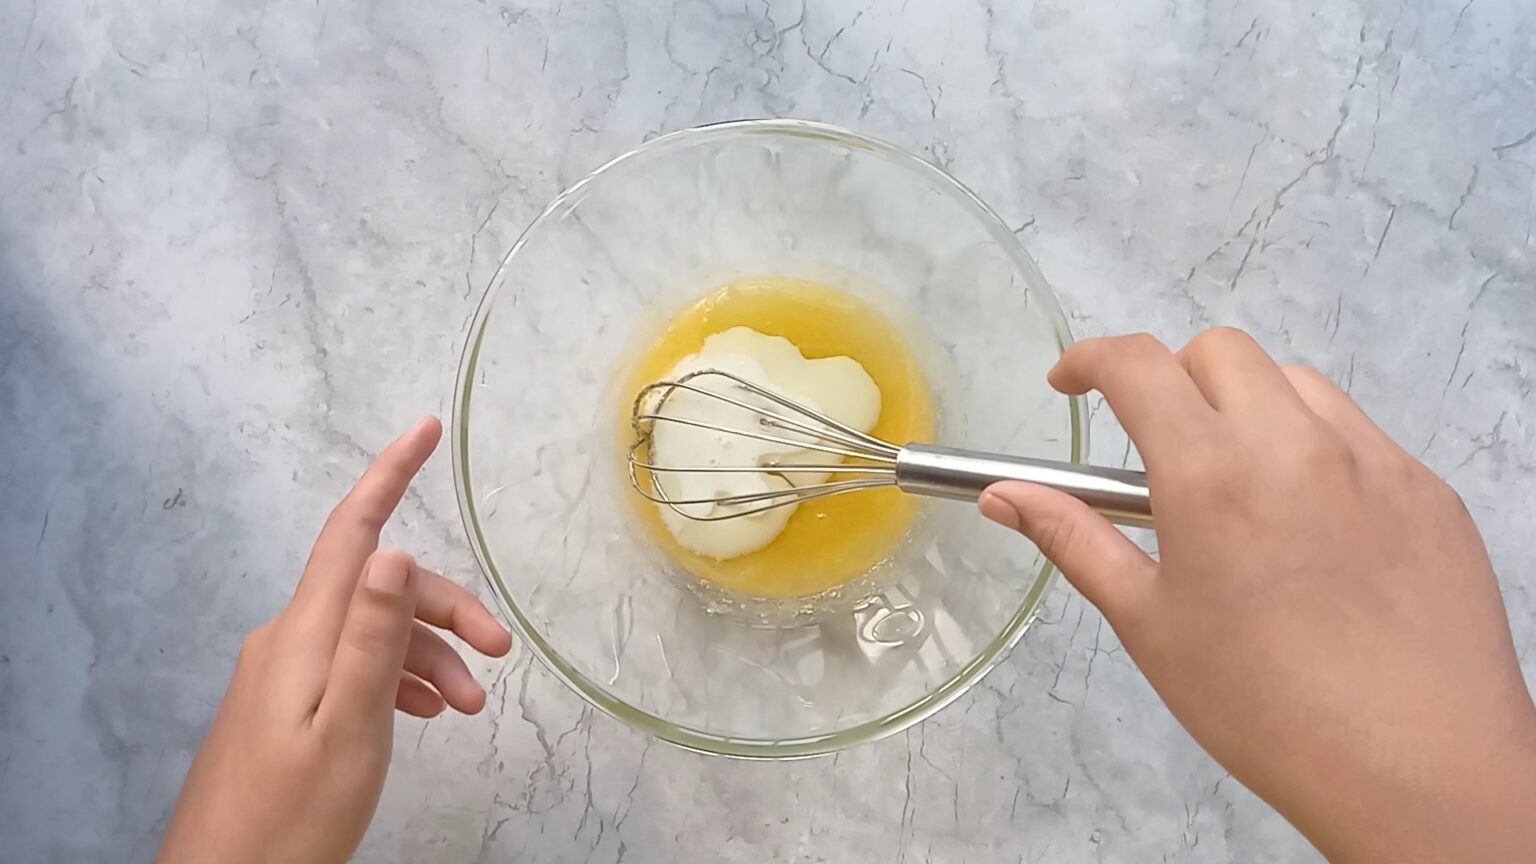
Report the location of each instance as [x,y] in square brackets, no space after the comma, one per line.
[240,242]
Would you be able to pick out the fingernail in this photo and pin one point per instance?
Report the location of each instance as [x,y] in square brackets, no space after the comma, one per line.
[388,575]
[995,508]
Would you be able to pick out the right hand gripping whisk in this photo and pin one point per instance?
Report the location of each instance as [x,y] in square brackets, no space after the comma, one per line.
[868,462]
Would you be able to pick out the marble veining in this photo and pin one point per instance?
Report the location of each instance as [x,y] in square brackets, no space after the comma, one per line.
[240,242]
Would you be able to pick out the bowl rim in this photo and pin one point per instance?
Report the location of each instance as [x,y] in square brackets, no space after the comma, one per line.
[595,694]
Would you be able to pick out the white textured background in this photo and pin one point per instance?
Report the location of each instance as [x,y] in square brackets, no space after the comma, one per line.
[240,242]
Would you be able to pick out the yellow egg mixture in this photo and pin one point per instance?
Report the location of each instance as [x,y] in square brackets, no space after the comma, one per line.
[827,541]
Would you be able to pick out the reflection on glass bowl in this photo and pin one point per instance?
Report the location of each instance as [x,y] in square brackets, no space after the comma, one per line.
[539,471]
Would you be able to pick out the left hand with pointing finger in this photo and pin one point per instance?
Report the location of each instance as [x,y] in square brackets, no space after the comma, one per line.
[292,767]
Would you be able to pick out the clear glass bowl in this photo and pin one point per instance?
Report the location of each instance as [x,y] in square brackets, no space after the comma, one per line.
[538,462]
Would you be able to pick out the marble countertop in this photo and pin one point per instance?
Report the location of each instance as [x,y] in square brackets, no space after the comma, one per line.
[240,242]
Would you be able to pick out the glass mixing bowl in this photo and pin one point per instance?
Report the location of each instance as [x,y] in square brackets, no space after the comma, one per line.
[538,432]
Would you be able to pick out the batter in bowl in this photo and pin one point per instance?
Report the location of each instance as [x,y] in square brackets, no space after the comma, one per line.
[823,542]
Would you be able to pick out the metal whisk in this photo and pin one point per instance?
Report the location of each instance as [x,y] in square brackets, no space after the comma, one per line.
[868,462]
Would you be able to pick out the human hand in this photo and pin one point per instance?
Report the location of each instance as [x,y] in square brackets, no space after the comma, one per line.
[1322,616]
[292,767]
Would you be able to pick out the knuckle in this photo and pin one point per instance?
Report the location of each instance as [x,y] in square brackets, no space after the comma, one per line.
[255,644]
[1447,496]
[1217,340]
[1079,349]
[1230,335]
[1399,470]
[352,512]
[1088,353]
[1332,449]
[1303,372]
[1321,449]
[1056,536]
[1143,344]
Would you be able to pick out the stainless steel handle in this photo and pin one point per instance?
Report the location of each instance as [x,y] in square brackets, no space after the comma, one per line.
[942,472]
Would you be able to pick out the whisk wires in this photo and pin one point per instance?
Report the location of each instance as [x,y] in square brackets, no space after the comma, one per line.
[783,421]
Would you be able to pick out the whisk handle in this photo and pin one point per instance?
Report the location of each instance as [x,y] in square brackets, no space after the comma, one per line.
[942,472]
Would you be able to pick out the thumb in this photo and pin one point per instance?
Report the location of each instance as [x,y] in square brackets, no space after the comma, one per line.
[365,673]
[1096,558]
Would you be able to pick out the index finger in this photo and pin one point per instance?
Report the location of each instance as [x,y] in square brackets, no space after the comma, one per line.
[1150,392]
[351,532]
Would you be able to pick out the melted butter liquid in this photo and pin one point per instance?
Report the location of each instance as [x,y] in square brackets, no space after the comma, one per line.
[827,541]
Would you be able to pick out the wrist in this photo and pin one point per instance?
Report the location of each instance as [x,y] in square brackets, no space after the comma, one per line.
[1472,798]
